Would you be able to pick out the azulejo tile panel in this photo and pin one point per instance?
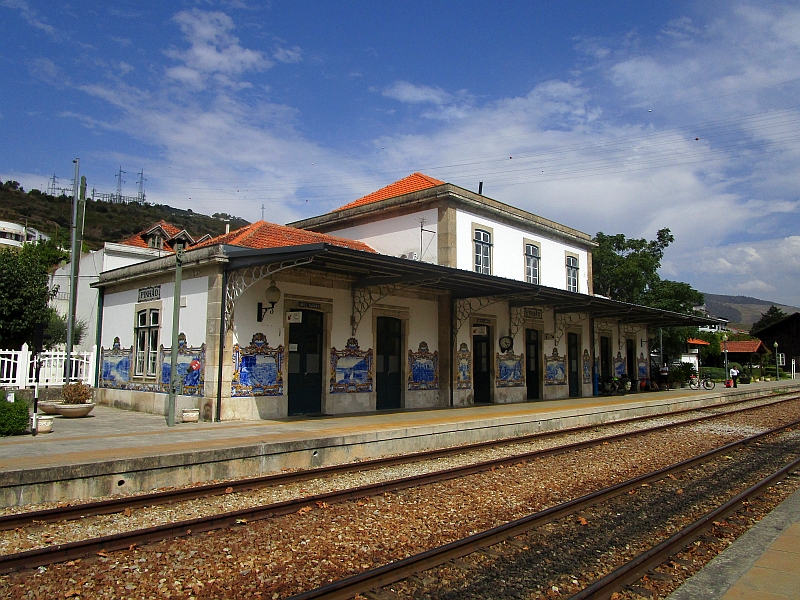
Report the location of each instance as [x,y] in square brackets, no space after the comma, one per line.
[190,366]
[351,369]
[258,369]
[509,370]
[464,366]
[423,368]
[587,367]
[115,366]
[555,371]
[619,365]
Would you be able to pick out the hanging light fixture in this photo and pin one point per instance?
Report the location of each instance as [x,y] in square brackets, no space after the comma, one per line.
[271,295]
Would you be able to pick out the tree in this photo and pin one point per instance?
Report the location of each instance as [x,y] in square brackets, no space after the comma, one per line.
[56,330]
[773,315]
[24,291]
[626,269]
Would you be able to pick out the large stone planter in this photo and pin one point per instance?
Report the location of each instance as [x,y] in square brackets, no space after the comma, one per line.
[74,410]
[48,408]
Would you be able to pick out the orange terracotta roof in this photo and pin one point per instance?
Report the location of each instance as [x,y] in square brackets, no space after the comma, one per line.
[697,342]
[413,183]
[262,234]
[750,346]
[139,241]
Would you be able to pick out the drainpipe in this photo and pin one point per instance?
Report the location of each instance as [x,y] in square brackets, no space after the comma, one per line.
[99,335]
[595,391]
[221,347]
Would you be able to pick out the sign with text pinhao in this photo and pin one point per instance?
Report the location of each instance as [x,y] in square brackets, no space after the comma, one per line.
[150,293]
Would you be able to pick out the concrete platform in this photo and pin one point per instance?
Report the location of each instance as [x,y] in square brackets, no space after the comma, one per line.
[763,564]
[115,451]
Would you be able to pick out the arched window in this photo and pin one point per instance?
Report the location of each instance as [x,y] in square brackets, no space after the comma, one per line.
[532,263]
[483,252]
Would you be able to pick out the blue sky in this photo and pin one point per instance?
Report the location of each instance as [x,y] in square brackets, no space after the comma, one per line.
[621,117]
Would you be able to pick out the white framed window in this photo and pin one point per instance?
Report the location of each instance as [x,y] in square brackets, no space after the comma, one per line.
[483,251]
[532,263]
[147,333]
[572,273]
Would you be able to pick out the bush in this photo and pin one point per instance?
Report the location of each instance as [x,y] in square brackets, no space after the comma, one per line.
[14,417]
[716,373]
[76,393]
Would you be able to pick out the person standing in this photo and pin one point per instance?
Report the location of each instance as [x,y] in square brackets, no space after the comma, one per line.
[735,376]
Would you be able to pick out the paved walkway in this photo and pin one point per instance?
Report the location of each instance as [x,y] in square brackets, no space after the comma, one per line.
[109,433]
[763,564]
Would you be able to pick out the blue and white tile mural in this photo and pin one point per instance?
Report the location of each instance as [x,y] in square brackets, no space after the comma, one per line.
[257,369]
[555,371]
[619,365]
[351,369]
[587,367]
[116,369]
[115,366]
[642,364]
[423,369]
[190,367]
[509,370]
[464,366]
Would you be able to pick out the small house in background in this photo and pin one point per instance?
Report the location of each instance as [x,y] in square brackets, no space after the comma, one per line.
[153,242]
[787,333]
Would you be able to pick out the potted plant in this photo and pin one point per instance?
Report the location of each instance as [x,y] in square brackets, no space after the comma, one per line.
[77,400]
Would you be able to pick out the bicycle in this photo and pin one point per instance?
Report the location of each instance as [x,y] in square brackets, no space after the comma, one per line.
[705,382]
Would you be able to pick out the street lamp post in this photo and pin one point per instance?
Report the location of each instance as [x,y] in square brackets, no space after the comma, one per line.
[725,347]
[777,367]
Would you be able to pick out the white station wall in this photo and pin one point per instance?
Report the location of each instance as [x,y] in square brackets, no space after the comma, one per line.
[508,258]
[119,314]
[399,235]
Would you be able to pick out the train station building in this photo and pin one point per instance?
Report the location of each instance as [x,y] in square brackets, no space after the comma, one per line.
[420,295]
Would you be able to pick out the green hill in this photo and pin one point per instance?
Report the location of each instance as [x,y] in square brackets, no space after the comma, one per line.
[105,222]
[741,311]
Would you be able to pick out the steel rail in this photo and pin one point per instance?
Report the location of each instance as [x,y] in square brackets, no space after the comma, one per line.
[115,505]
[633,570]
[392,572]
[73,550]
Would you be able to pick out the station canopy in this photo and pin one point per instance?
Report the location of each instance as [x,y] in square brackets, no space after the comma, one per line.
[371,270]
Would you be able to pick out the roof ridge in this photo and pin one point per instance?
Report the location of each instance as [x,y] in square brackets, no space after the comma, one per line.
[412,183]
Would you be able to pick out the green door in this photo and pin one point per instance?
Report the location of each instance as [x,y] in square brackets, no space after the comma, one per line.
[533,372]
[482,368]
[305,364]
[573,366]
[387,363]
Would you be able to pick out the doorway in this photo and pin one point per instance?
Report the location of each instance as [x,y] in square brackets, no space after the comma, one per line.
[532,371]
[389,346]
[630,359]
[305,364]
[482,366]
[605,359]
[573,358]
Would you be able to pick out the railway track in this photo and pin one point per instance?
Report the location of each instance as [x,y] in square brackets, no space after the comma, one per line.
[512,536]
[72,551]
[120,504]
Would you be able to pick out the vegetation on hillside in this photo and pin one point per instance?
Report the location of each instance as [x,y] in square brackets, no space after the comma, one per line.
[104,222]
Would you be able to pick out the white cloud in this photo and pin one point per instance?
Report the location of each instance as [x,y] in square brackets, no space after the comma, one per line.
[213,50]
[30,15]
[417,94]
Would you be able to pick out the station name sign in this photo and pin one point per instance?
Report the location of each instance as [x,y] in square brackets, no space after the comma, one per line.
[147,294]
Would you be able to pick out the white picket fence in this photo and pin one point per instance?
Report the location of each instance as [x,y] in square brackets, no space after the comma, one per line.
[17,368]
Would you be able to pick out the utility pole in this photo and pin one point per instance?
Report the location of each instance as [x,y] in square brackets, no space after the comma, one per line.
[174,382]
[74,257]
[141,187]
[120,181]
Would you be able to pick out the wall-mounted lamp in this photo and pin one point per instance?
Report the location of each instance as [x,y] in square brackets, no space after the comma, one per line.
[272,295]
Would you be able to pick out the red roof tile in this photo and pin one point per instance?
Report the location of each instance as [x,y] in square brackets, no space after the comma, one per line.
[262,234]
[139,241]
[751,346]
[413,183]
[697,342]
